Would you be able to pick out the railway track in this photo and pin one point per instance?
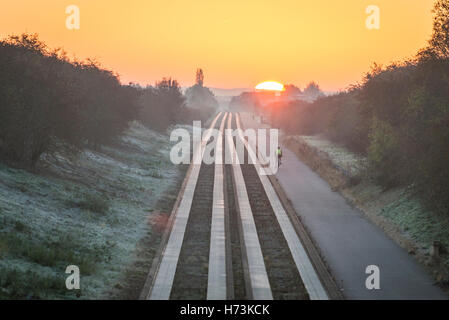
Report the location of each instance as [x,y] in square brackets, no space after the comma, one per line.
[231,234]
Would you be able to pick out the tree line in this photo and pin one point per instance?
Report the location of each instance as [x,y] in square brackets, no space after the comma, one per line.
[49,102]
[398,116]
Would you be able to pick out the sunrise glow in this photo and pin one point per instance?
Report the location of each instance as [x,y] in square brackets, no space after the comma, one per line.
[270,86]
[237,43]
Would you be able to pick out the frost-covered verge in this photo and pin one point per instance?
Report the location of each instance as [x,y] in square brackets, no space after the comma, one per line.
[88,210]
[397,211]
[350,162]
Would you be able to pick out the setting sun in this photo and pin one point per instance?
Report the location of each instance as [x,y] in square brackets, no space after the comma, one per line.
[155,39]
[204,150]
[270,85]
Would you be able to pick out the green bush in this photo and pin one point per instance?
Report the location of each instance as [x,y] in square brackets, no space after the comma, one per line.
[31,285]
[162,105]
[59,254]
[94,203]
[45,99]
[398,115]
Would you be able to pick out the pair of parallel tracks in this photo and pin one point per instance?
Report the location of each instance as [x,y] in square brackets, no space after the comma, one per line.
[233,235]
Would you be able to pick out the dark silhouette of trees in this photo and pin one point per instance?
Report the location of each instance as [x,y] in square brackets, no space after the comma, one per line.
[291,90]
[48,102]
[199,79]
[312,91]
[200,101]
[162,105]
[398,116]
[439,43]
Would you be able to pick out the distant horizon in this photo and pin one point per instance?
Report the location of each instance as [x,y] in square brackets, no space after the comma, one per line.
[237,44]
[241,90]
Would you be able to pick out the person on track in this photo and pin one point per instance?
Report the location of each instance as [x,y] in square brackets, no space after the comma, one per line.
[279,154]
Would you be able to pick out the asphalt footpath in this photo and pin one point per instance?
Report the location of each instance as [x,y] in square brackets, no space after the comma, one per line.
[349,242]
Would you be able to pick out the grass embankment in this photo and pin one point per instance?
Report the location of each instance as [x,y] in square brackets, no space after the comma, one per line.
[397,211]
[90,210]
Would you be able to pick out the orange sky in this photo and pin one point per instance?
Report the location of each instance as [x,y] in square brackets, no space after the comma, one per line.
[238,43]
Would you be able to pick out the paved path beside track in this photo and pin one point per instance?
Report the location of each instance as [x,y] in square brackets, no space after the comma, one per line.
[348,242]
